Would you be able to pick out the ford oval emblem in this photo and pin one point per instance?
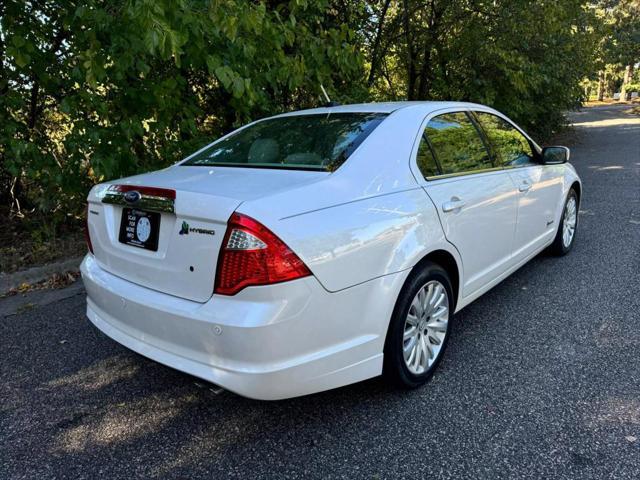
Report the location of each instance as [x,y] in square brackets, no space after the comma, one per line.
[132,196]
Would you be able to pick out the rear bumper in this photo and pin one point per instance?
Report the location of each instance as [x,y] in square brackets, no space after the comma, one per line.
[268,343]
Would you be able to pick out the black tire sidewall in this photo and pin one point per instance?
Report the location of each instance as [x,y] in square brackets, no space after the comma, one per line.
[395,367]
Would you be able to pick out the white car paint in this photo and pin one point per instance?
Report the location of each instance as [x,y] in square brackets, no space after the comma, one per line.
[360,230]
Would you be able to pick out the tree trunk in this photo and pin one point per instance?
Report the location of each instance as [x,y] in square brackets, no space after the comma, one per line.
[627,79]
[33,105]
[411,54]
[423,87]
[375,53]
[601,76]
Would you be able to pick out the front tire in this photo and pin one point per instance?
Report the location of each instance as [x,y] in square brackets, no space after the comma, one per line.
[419,328]
[566,234]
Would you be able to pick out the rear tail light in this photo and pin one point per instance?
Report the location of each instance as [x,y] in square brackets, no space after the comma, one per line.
[87,237]
[251,254]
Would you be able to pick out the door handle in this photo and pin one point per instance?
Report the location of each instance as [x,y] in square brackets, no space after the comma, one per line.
[453,205]
[524,186]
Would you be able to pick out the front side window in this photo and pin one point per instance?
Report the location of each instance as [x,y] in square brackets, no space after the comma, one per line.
[511,147]
[310,142]
[456,144]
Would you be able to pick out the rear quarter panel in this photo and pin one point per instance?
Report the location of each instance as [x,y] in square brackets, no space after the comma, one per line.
[354,242]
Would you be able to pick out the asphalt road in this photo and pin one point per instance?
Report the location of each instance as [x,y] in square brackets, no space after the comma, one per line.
[541,378]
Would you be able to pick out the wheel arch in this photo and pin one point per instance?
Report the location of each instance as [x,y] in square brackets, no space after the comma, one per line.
[578,189]
[447,261]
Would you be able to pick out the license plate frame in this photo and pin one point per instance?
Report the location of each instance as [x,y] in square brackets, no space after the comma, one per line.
[140,228]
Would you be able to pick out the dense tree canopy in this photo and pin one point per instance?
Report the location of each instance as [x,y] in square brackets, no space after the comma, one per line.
[97,89]
[523,57]
[101,89]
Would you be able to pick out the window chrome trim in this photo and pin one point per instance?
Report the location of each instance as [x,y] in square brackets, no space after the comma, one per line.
[464,174]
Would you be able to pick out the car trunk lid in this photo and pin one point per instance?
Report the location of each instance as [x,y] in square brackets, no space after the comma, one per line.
[192,206]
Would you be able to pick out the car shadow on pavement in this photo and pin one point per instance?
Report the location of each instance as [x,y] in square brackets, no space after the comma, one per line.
[96,399]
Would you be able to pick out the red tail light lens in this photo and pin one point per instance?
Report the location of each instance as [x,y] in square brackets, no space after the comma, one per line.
[251,254]
[87,237]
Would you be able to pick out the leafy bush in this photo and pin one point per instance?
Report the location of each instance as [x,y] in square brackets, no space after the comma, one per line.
[100,89]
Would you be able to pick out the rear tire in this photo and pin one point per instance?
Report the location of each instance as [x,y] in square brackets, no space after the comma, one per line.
[419,329]
[566,235]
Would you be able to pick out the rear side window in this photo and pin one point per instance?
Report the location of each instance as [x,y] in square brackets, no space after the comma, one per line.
[511,147]
[456,144]
[425,159]
[309,142]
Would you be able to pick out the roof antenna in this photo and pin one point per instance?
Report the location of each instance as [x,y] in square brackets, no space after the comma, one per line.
[329,102]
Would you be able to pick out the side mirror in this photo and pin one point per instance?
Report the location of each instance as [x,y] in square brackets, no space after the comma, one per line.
[555,155]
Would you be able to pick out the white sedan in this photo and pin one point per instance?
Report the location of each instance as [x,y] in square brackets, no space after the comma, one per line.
[319,248]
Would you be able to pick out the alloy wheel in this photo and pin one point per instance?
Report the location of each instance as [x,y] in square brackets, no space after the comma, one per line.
[425,327]
[569,221]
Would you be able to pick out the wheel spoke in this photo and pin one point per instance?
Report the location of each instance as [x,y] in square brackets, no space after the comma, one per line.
[437,326]
[410,351]
[440,312]
[410,332]
[441,296]
[427,349]
[426,299]
[416,306]
[416,360]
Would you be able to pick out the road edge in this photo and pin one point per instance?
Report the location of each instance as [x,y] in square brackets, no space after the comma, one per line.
[37,274]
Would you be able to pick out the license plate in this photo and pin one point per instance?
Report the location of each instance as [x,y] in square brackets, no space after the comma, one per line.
[139,228]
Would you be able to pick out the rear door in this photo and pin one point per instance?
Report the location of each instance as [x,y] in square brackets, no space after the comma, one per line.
[476,201]
[538,186]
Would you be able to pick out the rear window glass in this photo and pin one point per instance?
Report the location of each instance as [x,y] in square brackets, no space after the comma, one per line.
[309,142]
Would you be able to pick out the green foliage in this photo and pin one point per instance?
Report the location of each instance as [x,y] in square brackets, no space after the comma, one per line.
[621,31]
[456,143]
[524,57]
[101,89]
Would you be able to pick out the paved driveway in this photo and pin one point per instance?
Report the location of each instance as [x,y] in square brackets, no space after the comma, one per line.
[541,379]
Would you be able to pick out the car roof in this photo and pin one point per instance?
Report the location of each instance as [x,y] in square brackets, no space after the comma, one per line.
[383,107]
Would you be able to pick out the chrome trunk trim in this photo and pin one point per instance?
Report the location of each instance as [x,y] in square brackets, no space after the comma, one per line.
[146,202]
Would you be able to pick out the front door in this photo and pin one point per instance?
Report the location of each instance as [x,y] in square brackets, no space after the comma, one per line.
[538,186]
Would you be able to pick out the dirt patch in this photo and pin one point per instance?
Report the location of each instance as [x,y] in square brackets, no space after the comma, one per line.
[57,280]
[27,244]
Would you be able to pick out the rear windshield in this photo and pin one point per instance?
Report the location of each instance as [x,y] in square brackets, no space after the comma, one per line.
[309,142]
